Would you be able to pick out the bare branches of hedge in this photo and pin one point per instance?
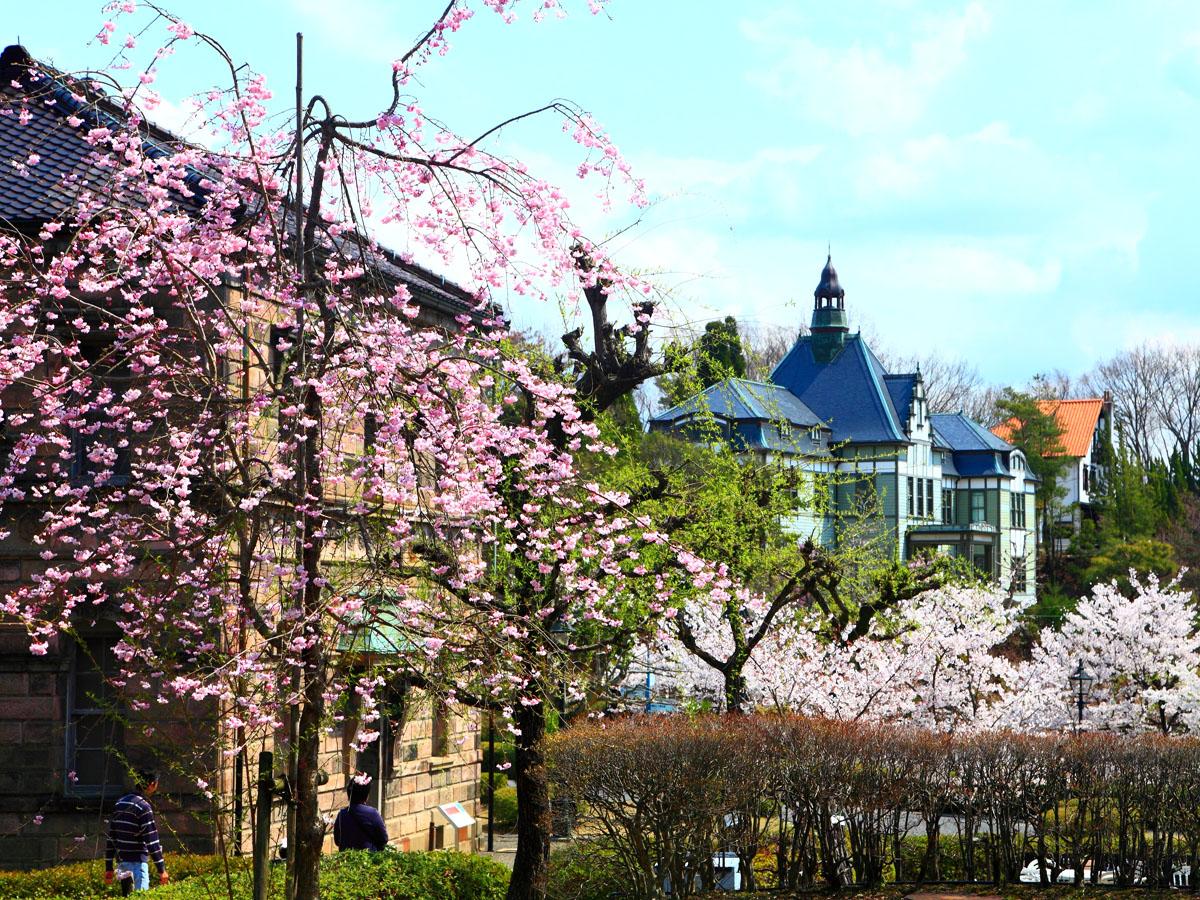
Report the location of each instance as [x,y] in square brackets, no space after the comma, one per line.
[840,803]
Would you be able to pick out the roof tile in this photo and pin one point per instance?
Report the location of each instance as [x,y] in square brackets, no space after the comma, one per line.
[1077,418]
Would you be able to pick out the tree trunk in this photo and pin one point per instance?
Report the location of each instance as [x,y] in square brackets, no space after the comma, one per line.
[531,865]
[933,832]
[310,830]
[736,693]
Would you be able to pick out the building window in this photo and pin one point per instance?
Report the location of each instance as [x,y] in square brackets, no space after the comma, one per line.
[1020,578]
[814,434]
[820,491]
[370,431]
[1018,510]
[95,740]
[911,496]
[929,498]
[921,497]
[978,507]
[981,557]
[282,338]
[947,506]
[100,445]
[864,490]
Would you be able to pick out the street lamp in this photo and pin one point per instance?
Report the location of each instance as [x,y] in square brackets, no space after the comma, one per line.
[1080,680]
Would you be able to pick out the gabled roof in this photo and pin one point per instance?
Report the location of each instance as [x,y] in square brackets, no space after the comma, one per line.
[1076,418]
[34,119]
[900,389]
[959,433]
[848,392]
[739,399]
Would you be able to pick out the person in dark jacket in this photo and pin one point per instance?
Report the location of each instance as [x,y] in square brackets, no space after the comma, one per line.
[133,836]
[359,826]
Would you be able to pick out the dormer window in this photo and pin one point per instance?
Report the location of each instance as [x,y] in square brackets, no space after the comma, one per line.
[814,434]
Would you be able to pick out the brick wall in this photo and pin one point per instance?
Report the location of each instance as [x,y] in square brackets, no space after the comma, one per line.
[33,775]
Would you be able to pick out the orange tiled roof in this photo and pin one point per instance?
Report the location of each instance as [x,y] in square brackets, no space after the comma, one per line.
[1076,417]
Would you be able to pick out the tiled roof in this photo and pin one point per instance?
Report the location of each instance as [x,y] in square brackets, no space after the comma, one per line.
[739,399]
[848,392]
[900,389]
[960,433]
[33,120]
[1077,418]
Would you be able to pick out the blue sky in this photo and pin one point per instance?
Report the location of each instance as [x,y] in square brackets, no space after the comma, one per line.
[1013,183]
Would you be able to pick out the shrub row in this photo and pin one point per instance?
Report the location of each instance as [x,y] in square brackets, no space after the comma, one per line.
[84,879]
[439,875]
[841,803]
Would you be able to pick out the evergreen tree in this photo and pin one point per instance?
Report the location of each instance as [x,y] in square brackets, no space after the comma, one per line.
[718,354]
[1038,434]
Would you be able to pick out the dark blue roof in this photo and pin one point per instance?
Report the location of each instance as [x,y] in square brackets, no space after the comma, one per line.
[900,389]
[976,451]
[970,464]
[740,399]
[848,392]
[958,432]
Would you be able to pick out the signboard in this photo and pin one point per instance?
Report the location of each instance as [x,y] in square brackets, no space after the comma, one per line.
[456,814]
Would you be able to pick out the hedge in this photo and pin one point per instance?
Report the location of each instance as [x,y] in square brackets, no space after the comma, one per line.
[504,807]
[85,879]
[358,875]
[585,870]
[840,803]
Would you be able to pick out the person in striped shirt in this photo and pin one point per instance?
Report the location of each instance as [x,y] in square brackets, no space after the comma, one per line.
[133,836]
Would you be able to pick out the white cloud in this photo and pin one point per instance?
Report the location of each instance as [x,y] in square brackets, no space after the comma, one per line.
[861,88]
[915,165]
[1183,67]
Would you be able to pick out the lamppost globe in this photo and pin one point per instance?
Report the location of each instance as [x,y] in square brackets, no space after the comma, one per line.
[1080,680]
[560,632]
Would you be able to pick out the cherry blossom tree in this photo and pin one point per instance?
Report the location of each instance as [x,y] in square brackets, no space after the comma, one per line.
[931,662]
[231,434]
[1142,652]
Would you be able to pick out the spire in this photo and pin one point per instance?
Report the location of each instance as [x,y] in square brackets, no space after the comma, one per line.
[829,322]
[829,290]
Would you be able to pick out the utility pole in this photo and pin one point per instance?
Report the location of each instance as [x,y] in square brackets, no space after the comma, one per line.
[293,768]
[262,827]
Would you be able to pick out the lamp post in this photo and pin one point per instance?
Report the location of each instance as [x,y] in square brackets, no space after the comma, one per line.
[491,781]
[1080,680]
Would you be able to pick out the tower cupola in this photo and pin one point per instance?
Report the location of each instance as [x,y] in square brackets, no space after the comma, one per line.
[830,324]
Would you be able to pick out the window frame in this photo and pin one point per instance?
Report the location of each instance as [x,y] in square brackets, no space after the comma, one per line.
[981,496]
[106,789]
[1020,574]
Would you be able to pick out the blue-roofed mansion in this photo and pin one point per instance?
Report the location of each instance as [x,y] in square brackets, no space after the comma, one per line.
[925,480]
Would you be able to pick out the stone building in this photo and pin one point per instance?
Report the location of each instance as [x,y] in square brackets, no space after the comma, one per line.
[874,457]
[63,754]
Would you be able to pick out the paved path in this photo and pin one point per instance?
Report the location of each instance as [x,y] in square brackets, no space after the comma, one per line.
[505,847]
